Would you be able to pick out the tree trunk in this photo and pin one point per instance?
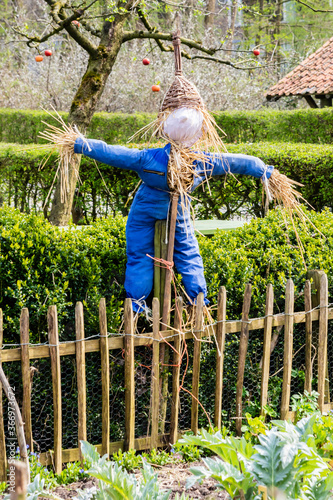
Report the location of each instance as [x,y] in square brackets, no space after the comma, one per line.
[209,18]
[231,30]
[84,105]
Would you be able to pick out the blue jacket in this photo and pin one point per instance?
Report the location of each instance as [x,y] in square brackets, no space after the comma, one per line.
[151,203]
[152,164]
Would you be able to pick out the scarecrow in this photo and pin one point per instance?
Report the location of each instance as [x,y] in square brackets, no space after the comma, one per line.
[193,154]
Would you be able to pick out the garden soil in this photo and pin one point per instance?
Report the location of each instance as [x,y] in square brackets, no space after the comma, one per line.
[171,477]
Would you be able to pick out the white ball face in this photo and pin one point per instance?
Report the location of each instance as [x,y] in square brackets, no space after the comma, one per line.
[184,126]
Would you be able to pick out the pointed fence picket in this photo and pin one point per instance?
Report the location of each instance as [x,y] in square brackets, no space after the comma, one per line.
[175,338]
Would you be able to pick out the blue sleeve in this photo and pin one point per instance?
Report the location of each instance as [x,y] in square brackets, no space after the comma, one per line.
[238,164]
[117,156]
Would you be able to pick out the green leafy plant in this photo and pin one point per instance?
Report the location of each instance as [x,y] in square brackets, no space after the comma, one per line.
[305,404]
[36,489]
[160,457]
[72,473]
[129,460]
[3,486]
[285,460]
[116,483]
[188,452]
[254,427]
[323,435]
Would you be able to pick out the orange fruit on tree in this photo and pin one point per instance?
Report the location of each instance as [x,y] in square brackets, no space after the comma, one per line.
[39,58]
[155,88]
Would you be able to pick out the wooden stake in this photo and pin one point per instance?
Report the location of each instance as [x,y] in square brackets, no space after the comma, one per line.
[20,474]
[26,376]
[288,348]
[308,337]
[220,340]
[266,347]
[105,363]
[176,372]
[164,350]
[129,377]
[52,319]
[155,374]
[3,459]
[243,343]
[80,350]
[322,341]
[157,255]
[168,274]
[196,362]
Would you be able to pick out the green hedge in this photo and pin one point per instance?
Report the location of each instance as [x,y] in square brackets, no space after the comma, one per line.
[23,183]
[303,125]
[42,265]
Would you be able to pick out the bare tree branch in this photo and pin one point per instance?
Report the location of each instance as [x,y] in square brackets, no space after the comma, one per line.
[156,35]
[60,27]
[313,8]
[59,16]
[151,29]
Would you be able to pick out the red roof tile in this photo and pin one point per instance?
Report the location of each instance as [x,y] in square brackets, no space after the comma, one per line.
[313,76]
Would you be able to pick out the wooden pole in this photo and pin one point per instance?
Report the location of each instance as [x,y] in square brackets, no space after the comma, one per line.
[80,350]
[168,274]
[176,372]
[220,340]
[18,470]
[157,255]
[26,376]
[316,275]
[243,343]
[155,375]
[52,319]
[322,342]
[308,337]
[129,377]
[267,347]
[105,364]
[196,363]
[3,459]
[164,350]
[288,348]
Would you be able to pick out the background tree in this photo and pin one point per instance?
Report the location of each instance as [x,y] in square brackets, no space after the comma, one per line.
[101,28]
[285,31]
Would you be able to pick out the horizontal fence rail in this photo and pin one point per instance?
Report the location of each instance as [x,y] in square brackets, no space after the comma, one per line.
[142,389]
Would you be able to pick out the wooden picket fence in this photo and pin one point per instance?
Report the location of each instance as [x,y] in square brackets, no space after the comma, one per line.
[316,309]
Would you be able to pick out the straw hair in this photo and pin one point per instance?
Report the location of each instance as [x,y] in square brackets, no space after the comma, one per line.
[282,190]
[62,140]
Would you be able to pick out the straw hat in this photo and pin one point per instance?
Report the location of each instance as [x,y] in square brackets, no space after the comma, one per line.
[182,93]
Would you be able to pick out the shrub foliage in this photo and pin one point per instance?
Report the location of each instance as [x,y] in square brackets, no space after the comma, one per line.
[41,265]
[300,125]
[105,190]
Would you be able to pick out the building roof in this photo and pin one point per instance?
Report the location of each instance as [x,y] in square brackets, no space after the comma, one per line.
[313,76]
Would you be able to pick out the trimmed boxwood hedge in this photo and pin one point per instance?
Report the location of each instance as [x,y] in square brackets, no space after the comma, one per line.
[301,125]
[42,265]
[312,164]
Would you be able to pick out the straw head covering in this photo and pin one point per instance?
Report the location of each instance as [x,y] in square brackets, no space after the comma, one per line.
[182,93]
